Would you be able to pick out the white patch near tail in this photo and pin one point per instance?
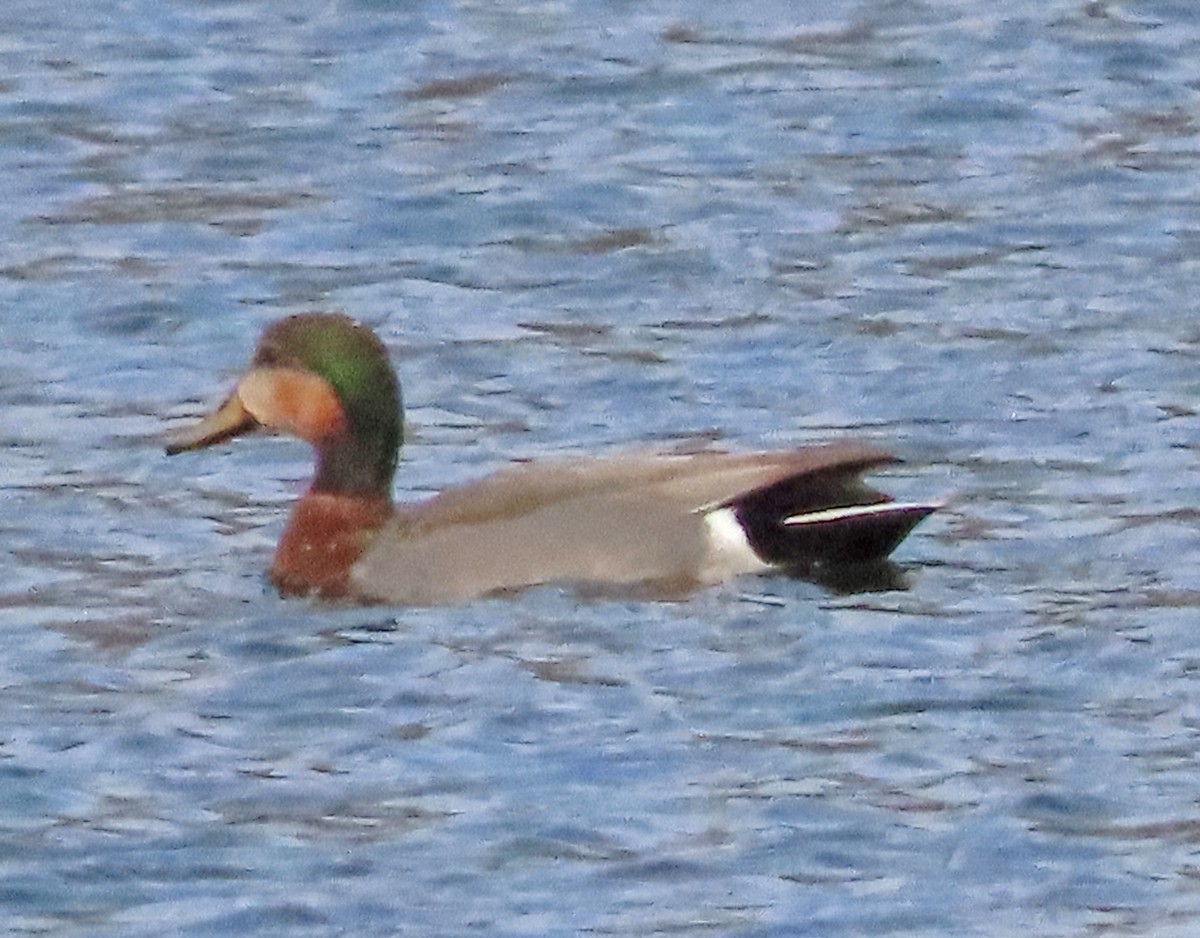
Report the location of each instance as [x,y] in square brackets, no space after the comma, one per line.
[729,550]
[826,515]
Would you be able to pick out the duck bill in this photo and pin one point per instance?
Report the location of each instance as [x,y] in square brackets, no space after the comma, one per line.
[227,421]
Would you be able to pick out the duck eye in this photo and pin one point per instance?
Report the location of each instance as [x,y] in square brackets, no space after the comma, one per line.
[268,357]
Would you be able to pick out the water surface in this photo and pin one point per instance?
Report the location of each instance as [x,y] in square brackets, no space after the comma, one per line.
[967,231]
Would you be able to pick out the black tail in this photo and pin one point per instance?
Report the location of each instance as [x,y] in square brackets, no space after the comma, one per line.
[825,519]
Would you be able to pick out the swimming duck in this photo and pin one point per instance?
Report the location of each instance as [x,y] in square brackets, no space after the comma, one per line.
[646,523]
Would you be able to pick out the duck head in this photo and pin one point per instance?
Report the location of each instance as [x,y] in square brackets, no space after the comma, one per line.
[326,379]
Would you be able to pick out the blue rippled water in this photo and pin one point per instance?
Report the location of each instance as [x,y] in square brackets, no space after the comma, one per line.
[969,231]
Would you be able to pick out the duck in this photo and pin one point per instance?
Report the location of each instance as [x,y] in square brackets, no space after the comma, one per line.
[642,523]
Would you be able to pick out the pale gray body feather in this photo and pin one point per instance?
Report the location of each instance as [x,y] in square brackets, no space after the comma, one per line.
[625,521]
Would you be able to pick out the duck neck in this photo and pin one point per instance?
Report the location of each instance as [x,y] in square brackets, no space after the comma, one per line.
[331,526]
[357,467]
